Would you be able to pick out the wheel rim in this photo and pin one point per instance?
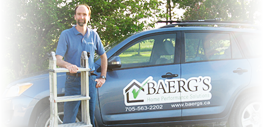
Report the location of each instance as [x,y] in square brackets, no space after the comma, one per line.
[60,121]
[252,115]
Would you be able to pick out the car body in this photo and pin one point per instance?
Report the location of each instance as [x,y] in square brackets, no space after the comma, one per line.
[167,76]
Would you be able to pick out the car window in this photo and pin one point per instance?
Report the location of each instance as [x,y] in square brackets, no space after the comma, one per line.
[254,44]
[154,50]
[236,53]
[210,46]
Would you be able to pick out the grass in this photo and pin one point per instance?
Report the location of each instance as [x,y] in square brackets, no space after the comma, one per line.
[4,80]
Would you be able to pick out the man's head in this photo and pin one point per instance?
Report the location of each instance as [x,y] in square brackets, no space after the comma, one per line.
[82,14]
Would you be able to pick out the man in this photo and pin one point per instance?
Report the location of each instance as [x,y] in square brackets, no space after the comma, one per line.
[70,46]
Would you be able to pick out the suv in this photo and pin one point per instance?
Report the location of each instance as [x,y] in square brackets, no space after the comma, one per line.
[183,73]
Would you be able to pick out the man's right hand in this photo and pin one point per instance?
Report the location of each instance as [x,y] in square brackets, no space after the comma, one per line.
[72,68]
[60,62]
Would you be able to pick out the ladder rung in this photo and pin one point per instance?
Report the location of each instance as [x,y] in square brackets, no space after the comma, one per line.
[79,124]
[71,98]
[66,70]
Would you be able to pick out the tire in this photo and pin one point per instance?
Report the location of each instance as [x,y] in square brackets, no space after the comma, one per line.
[248,112]
[43,117]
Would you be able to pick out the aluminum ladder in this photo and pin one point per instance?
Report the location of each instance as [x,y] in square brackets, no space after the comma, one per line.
[84,97]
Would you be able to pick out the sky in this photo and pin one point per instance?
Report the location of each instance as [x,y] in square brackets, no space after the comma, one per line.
[178,13]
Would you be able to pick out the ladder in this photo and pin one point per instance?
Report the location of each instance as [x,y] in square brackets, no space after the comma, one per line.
[84,97]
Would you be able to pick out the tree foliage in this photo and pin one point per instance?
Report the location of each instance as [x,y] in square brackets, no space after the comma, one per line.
[231,10]
[33,27]
[118,18]
[28,30]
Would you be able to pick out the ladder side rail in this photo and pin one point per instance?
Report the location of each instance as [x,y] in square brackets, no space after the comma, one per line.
[84,103]
[54,102]
[53,91]
[85,88]
[51,98]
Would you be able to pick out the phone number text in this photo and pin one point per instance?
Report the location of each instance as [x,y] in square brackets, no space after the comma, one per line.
[143,108]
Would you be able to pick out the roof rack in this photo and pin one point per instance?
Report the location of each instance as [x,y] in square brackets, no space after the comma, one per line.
[209,22]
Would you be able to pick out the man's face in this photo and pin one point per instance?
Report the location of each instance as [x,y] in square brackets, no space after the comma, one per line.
[82,15]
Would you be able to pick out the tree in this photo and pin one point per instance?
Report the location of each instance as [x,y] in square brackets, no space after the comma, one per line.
[33,27]
[118,18]
[231,10]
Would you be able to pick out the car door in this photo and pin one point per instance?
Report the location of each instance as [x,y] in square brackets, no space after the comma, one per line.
[136,92]
[214,69]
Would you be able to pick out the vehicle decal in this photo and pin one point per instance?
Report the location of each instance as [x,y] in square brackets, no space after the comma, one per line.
[167,91]
[177,105]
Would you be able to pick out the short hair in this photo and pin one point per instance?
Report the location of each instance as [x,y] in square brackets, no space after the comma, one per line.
[84,5]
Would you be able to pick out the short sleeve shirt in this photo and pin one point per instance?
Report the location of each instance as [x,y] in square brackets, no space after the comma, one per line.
[72,43]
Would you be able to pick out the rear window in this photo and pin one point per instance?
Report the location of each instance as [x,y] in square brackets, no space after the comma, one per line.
[252,44]
[210,46]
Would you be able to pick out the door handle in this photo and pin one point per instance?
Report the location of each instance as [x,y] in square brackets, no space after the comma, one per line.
[169,75]
[240,71]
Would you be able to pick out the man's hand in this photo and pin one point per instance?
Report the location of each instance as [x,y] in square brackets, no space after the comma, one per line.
[60,62]
[100,82]
[104,65]
[72,68]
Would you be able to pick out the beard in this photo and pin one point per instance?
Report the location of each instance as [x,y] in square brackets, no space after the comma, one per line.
[81,23]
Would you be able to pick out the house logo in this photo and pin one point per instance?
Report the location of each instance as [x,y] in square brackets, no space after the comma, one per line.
[167,91]
[133,90]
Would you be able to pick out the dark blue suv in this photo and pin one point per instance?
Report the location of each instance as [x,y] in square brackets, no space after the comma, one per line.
[175,75]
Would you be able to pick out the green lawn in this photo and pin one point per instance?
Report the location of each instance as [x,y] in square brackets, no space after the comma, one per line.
[3,82]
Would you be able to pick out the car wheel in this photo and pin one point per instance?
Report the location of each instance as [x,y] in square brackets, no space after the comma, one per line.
[43,118]
[247,113]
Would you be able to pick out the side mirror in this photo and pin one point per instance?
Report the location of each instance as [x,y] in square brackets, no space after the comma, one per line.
[114,62]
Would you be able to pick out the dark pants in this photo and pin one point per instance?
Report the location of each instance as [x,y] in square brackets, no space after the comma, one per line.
[72,87]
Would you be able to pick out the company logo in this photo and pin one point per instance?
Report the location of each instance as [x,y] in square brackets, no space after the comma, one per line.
[167,91]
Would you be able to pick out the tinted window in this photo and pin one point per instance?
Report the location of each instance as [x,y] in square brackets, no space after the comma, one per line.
[154,50]
[209,46]
[254,43]
[236,53]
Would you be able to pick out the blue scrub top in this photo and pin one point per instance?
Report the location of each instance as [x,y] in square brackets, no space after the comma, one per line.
[72,43]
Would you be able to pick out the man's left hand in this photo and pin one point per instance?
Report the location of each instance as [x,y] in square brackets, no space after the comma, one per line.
[100,82]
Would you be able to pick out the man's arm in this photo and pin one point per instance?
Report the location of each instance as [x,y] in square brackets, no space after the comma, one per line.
[61,63]
[104,65]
